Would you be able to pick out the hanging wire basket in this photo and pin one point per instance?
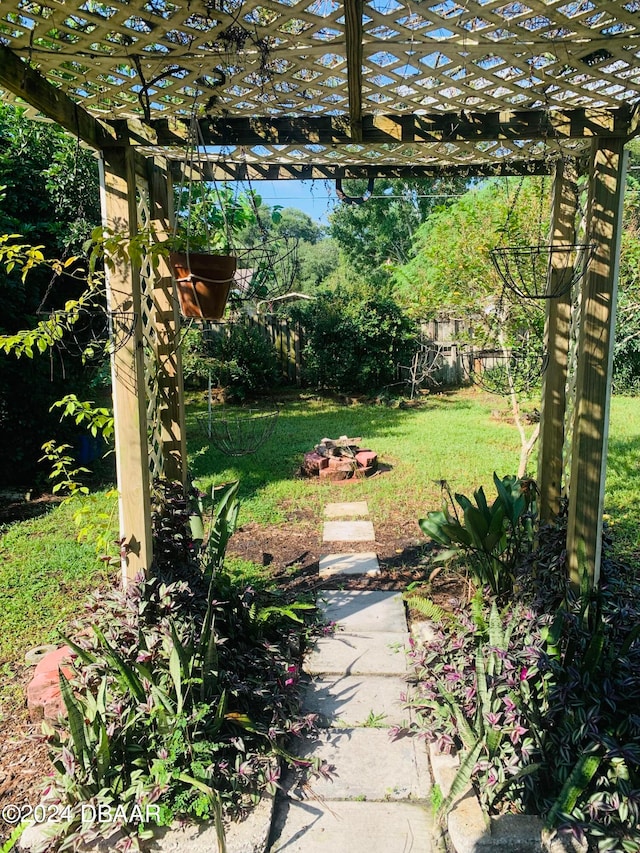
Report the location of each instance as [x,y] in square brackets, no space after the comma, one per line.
[543,271]
[274,266]
[91,332]
[238,432]
[504,372]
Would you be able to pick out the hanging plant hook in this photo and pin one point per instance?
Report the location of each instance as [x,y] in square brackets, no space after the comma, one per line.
[349,199]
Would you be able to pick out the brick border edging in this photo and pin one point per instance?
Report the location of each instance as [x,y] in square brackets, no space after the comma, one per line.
[471,831]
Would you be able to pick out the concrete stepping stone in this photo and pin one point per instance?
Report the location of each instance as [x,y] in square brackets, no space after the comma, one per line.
[366,653]
[315,827]
[350,751]
[351,700]
[364,611]
[365,563]
[348,531]
[339,510]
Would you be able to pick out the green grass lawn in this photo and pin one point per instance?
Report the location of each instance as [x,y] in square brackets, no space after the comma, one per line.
[45,574]
[451,437]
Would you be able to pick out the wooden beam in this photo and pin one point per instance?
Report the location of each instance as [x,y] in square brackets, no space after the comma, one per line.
[378,129]
[118,197]
[20,79]
[557,329]
[354,53]
[167,324]
[595,363]
[229,171]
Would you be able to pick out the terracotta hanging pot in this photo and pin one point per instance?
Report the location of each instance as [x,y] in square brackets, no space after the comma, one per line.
[203,283]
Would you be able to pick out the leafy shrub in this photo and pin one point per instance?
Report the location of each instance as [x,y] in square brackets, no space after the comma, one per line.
[184,688]
[239,357]
[352,342]
[541,700]
[492,538]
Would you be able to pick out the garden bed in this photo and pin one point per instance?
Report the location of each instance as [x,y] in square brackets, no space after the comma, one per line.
[534,685]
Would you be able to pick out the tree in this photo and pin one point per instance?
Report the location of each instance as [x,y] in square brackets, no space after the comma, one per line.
[294,223]
[626,364]
[381,231]
[51,197]
[317,262]
[353,341]
[452,271]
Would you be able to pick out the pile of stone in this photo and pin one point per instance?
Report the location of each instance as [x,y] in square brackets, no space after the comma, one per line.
[339,459]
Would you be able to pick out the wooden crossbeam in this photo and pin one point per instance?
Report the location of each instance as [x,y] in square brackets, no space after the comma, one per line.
[354,51]
[379,129]
[229,171]
[20,79]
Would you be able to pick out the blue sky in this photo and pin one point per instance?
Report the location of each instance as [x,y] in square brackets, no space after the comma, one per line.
[317,198]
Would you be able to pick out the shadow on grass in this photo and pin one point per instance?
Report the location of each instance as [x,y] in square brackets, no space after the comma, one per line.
[301,425]
[622,457]
[622,475]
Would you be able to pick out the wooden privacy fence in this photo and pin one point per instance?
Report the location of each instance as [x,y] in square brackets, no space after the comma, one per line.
[287,339]
[437,360]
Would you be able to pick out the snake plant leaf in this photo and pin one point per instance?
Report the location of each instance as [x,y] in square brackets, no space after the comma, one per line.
[75,716]
[463,500]
[529,770]
[82,654]
[481,500]
[465,731]
[576,784]
[175,670]
[460,781]
[128,674]
[629,640]
[216,806]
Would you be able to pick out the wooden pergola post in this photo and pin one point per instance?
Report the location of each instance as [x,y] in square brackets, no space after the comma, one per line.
[118,201]
[556,341]
[167,323]
[595,362]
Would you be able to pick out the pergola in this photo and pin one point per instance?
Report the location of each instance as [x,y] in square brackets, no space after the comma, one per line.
[327,89]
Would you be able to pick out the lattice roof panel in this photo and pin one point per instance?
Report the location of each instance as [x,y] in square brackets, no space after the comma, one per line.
[152,60]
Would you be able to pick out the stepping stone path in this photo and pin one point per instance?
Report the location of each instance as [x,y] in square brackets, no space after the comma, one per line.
[376,799]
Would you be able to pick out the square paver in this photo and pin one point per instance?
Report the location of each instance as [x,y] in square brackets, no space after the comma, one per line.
[339,510]
[364,610]
[352,700]
[365,563]
[404,763]
[348,531]
[372,653]
[348,827]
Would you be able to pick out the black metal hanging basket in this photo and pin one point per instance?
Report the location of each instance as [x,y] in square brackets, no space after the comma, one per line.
[92,333]
[543,271]
[238,432]
[504,372]
[273,265]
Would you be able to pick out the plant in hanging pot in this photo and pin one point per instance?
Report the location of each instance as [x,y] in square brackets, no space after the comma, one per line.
[201,253]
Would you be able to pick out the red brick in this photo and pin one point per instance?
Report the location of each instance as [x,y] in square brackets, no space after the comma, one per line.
[339,463]
[43,691]
[367,459]
[313,463]
[335,474]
